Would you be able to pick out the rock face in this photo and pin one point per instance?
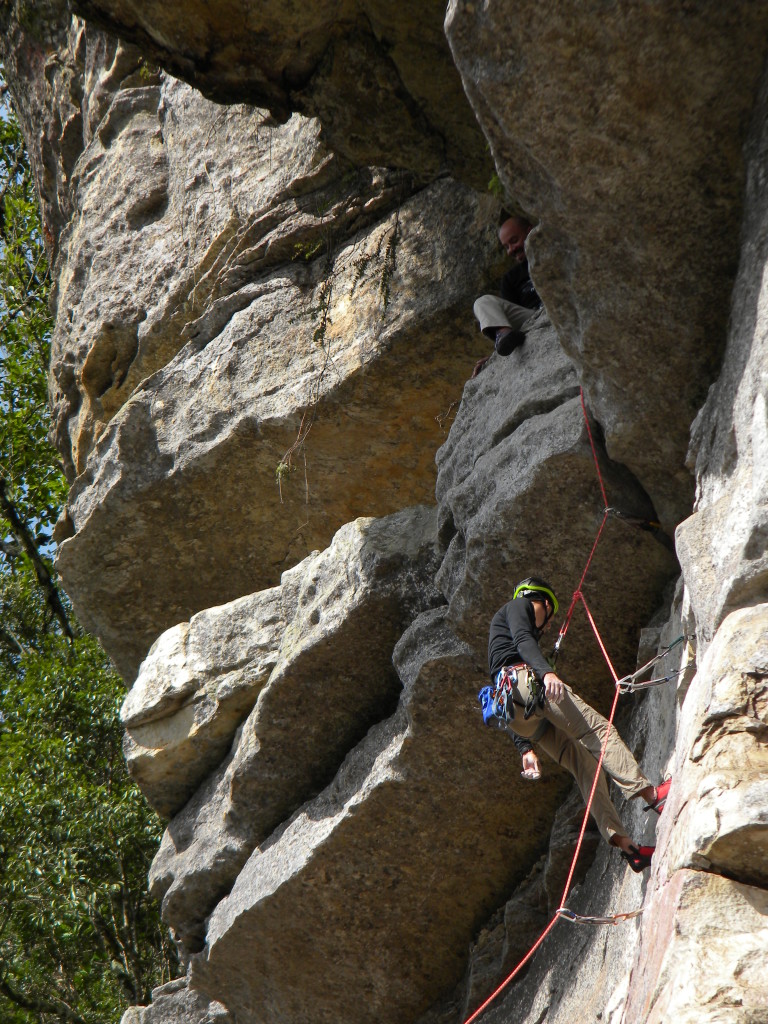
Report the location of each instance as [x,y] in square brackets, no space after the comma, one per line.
[379,76]
[602,127]
[342,612]
[201,679]
[259,260]
[263,333]
[176,1003]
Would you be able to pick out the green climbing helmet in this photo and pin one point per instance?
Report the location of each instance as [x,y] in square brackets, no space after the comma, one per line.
[532,587]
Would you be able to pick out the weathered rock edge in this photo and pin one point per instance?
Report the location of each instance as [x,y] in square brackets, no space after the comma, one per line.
[343,611]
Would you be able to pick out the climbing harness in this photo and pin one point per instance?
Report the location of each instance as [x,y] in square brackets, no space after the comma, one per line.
[497,702]
[574,918]
[628,681]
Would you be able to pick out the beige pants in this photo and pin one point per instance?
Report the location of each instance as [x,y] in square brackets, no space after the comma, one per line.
[572,733]
[492,312]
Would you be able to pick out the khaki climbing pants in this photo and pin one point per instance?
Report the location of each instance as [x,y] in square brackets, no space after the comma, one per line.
[572,733]
[493,312]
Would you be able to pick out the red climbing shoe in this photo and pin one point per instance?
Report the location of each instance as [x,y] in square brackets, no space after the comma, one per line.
[661,797]
[639,858]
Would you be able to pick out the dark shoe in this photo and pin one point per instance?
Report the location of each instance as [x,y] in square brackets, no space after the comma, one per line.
[661,797]
[640,857]
[508,341]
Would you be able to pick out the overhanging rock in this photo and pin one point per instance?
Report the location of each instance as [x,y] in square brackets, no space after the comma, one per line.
[378,74]
[208,432]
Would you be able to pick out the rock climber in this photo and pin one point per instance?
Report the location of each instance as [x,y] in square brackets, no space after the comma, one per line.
[502,318]
[559,722]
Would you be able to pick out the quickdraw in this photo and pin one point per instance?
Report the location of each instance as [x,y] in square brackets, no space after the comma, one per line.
[630,683]
[630,520]
[574,918]
[537,695]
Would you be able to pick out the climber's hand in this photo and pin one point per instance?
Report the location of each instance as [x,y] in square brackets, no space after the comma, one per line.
[531,767]
[479,365]
[554,687]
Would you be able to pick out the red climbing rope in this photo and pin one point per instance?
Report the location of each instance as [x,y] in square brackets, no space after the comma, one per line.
[577,596]
[592,446]
[606,512]
[577,851]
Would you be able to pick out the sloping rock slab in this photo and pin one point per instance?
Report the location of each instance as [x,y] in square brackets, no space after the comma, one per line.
[519,494]
[352,412]
[176,204]
[364,878]
[345,609]
[525,916]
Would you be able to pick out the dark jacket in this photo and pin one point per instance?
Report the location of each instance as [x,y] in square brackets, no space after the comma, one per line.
[517,287]
[513,639]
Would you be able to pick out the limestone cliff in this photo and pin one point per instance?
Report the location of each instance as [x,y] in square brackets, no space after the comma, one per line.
[264,270]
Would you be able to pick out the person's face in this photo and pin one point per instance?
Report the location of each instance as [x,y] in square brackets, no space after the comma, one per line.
[541,611]
[512,235]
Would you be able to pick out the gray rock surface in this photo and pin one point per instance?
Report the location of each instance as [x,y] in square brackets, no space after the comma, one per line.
[519,495]
[377,73]
[215,219]
[718,818]
[724,545]
[601,123]
[369,868]
[340,868]
[230,310]
[344,609]
[196,685]
[711,922]
[176,1003]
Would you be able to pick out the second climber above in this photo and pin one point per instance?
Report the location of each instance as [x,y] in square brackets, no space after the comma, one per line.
[502,318]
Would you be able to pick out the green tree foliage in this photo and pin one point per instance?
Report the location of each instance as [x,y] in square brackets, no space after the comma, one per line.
[27,461]
[79,937]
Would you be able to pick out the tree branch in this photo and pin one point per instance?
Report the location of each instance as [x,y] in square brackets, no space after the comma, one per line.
[40,1005]
[24,537]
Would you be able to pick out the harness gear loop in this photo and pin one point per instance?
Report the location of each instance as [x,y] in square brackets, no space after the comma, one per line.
[537,694]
